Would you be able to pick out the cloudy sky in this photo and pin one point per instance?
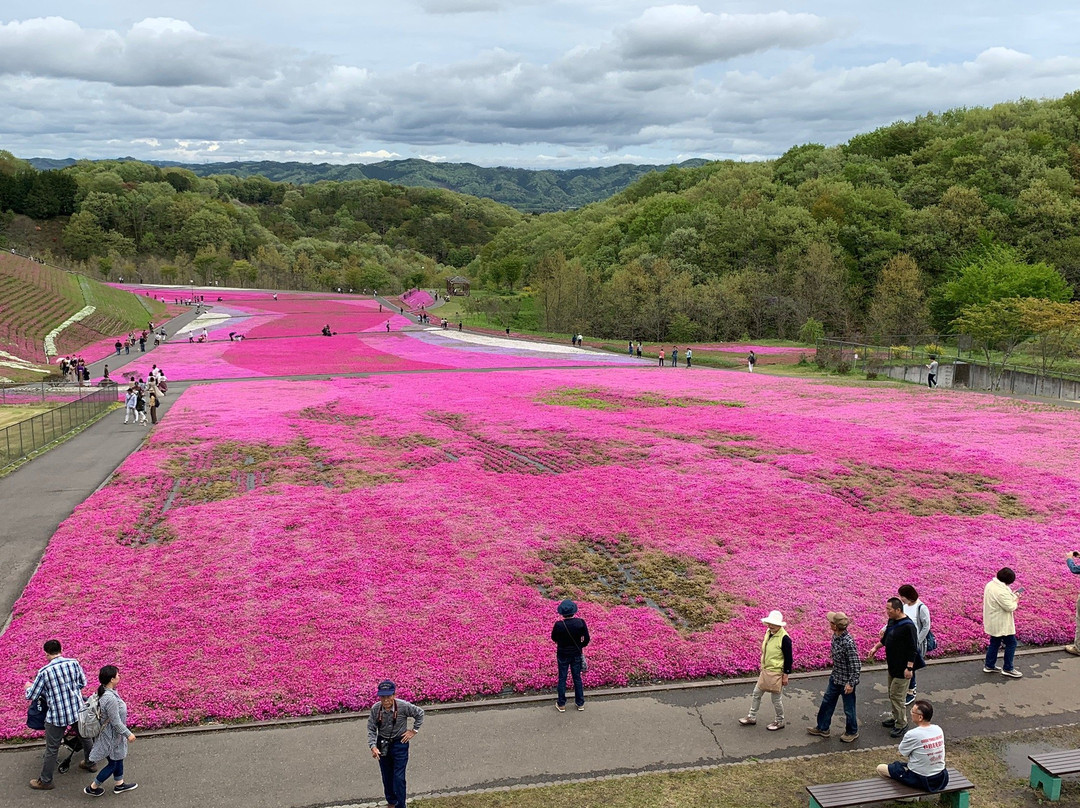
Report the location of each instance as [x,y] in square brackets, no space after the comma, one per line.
[531,83]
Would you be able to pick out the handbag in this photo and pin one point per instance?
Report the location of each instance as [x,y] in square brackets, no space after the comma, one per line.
[35,714]
[931,641]
[770,681]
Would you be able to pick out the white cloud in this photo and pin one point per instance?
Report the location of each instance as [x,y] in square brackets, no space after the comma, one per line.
[686,36]
[662,84]
[155,52]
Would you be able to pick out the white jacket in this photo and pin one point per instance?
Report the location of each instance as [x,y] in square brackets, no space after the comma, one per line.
[999,603]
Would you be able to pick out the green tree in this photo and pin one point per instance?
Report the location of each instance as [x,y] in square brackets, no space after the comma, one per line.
[996,328]
[898,306]
[996,272]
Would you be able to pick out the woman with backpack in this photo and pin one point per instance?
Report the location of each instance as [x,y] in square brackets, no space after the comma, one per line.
[920,616]
[112,742]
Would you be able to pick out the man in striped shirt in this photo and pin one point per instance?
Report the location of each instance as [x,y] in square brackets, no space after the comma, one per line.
[61,683]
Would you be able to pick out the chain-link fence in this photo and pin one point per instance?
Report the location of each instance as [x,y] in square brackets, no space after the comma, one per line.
[27,436]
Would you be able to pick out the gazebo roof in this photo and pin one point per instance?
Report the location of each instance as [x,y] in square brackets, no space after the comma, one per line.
[458,279]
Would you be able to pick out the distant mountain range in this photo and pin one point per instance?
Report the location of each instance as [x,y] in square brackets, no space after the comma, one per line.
[531,191]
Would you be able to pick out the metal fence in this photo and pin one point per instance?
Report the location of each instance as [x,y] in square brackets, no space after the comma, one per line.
[27,436]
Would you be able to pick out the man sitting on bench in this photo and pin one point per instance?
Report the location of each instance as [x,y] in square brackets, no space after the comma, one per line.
[924,747]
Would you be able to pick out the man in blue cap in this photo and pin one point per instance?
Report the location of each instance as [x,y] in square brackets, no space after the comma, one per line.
[388,739]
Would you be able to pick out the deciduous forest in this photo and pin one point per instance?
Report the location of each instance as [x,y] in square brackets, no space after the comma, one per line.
[896,231]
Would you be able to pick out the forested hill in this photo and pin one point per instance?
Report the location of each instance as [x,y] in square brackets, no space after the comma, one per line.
[526,190]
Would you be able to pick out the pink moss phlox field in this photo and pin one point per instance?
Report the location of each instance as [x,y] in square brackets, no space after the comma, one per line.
[276,548]
[762,350]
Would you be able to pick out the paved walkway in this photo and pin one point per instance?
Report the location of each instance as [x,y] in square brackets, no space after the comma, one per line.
[326,763]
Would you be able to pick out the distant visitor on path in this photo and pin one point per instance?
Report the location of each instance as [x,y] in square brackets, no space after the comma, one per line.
[931,373]
[570,635]
[674,356]
[842,682]
[924,748]
[777,662]
[1073,560]
[388,739]
[751,360]
[639,349]
[999,608]
[630,347]
[661,358]
[689,357]
[111,743]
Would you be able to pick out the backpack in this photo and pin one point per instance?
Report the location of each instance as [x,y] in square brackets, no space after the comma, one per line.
[91,718]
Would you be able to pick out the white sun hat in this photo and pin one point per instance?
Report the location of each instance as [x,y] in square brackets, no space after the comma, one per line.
[774,619]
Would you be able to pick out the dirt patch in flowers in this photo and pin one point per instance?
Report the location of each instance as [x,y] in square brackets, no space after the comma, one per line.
[620,571]
[532,451]
[922,492]
[596,398]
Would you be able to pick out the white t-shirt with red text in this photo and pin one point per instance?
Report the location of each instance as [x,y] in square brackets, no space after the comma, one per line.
[924,747]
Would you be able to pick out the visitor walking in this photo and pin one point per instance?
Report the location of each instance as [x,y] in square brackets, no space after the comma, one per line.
[153,401]
[60,684]
[119,347]
[842,681]
[920,616]
[931,373]
[674,356]
[111,743]
[751,360]
[661,357]
[1073,560]
[630,347]
[130,401]
[140,404]
[689,357]
[999,609]
[776,665]
[388,738]
[900,641]
[570,635]
[639,349]
[924,748]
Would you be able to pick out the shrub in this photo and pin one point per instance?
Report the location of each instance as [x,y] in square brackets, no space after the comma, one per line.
[933,350]
[899,352]
[812,331]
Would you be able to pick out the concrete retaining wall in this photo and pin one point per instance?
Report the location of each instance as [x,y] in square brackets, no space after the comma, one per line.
[1012,381]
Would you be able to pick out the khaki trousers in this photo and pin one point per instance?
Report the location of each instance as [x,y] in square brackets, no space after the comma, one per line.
[898,688]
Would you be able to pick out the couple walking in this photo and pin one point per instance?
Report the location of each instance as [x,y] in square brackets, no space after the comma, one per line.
[59,684]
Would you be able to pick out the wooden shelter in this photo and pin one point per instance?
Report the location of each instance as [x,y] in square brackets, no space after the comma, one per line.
[457,285]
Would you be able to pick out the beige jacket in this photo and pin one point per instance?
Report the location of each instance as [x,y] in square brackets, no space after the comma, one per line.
[999,603]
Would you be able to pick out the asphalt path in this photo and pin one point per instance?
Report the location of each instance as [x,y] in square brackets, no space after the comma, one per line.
[493,745]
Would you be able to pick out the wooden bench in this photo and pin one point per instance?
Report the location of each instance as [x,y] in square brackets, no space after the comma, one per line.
[1048,769]
[878,789]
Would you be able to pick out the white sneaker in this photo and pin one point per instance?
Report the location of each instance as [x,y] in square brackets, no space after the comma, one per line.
[1013,674]
[991,670]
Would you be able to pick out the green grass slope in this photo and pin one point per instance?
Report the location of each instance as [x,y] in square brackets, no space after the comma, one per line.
[35,299]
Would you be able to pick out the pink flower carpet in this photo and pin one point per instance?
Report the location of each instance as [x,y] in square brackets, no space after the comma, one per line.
[278,547]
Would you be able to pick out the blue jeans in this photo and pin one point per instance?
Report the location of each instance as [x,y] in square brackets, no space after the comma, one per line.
[834,692]
[393,773]
[900,771]
[115,768]
[992,652]
[573,666]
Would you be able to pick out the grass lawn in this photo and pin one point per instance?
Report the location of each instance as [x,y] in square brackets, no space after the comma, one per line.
[782,784]
[10,413]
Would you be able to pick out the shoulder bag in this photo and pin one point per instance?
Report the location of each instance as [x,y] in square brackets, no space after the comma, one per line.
[584,661]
